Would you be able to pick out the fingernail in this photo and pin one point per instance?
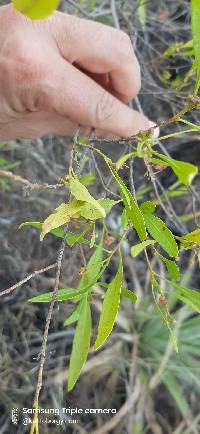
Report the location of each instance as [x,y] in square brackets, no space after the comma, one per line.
[155,131]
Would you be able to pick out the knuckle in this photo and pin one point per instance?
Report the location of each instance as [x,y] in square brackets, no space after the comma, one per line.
[125,43]
[25,66]
[105,108]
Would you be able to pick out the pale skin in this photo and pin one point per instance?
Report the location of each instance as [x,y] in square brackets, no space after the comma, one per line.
[64,72]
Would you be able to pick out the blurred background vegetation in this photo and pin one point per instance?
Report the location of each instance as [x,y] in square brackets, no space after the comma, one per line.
[137,372]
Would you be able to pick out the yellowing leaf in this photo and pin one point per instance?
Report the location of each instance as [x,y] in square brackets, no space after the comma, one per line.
[81,344]
[185,172]
[195,15]
[110,308]
[159,232]
[36,9]
[138,248]
[58,232]
[61,216]
[81,193]
[192,237]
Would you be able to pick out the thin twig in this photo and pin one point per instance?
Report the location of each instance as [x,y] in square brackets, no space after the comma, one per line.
[32,186]
[26,279]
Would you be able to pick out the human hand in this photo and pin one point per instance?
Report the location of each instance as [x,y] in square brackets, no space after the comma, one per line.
[62,72]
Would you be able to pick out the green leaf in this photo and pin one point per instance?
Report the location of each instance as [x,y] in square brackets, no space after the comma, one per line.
[172,268]
[132,209]
[185,172]
[61,216]
[58,232]
[110,308]
[62,295]
[81,344]
[129,294]
[90,211]
[81,193]
[195,15]
[124,219]
[138,248]
[185,300]
[189,296]
[148,207]
[93,267]
[159,232]
[74,315]
[142,12]
[72,239]
[88,180]
[37,9]
[122,160]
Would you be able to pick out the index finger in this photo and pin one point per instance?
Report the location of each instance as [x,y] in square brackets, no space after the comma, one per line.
[99,49]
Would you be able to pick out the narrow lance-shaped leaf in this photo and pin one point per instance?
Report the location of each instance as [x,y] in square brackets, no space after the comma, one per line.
[132,209]
[81,344]
[81,193]
[138,248]
[189,296]
[195,15]
[129,294]
[74,315]
[142,12]
[38,9]
[93,267]
[110,308]
[185,172]
[159,232]
[58,232]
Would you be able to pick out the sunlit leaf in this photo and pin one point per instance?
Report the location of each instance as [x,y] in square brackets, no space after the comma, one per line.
[81,344]
[160,233]
[58,232]
[138,248]
[80,192]
[192,237]
[185,172]
[38,9]
[122,160]
[110,308]
[61,216]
